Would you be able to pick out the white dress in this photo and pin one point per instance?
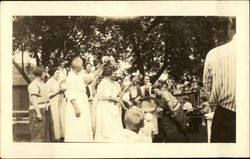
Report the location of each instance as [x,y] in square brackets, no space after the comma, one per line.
[77,129]
[108,114]
[53,87]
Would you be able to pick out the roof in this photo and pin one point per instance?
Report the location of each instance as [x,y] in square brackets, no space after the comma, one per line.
[18,79]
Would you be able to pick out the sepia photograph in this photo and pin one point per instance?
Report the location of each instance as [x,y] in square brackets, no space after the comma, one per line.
[123,79]
[91,79]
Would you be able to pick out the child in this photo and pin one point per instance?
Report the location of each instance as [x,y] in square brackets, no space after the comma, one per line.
[148,129]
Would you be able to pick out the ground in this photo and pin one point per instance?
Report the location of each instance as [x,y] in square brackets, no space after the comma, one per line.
[197,135]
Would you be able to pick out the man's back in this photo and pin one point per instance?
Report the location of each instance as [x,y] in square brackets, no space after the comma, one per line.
[220,74]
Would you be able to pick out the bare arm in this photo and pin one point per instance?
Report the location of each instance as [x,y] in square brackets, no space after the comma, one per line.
[77,111]
[34,101]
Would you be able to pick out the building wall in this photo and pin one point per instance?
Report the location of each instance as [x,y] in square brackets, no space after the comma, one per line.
[20,98]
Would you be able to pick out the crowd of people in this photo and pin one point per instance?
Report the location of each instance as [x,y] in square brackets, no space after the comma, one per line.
[78,104]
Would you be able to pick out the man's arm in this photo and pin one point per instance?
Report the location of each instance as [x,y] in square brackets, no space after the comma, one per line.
[207,74]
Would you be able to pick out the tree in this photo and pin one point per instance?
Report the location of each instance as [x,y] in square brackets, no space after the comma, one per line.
[152,45]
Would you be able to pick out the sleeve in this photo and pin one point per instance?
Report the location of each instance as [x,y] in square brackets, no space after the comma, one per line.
[126,96]
[207,73]
[71,88]
[171,101]
[34,90]
[49,86]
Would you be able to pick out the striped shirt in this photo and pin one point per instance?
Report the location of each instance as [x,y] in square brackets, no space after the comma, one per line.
[219,75]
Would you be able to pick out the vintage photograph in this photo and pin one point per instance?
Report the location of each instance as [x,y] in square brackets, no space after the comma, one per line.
[124,79]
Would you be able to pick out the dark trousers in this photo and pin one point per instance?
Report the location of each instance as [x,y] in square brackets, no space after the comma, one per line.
[223,126]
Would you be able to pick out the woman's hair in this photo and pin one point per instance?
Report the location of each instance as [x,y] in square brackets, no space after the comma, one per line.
[132,76]
[108,69]
[87,63]
[75,60]
[38,71]
[52,71]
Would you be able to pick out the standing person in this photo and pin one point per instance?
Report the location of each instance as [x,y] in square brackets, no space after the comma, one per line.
[62,101]
[55,93]
[147,102]
[173,118]
[219,78]
[108,111]
[62,69]
[134,92]
[39,102]
[78,119]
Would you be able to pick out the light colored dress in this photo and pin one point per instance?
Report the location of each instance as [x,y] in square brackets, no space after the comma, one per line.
[147,104]
[53,86]
[108,114]
[77,129]
[62,105]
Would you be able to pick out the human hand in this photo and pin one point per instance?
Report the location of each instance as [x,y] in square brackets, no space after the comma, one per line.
[137,99]
[77,112]
[39,116]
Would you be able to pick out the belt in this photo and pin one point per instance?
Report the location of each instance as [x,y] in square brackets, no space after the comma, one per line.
[40,105]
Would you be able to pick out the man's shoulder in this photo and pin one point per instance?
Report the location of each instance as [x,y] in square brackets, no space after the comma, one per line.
[219,49]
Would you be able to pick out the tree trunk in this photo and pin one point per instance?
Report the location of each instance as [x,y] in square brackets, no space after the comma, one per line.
[37,58]
[159,73]
[138,59]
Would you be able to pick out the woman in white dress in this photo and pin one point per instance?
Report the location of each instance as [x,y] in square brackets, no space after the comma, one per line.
[78,120]
[108,111]
[55,93]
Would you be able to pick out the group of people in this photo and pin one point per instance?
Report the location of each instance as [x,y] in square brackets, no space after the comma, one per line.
[81,105]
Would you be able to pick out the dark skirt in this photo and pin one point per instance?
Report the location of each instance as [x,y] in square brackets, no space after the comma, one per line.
[173,122]
[41,130]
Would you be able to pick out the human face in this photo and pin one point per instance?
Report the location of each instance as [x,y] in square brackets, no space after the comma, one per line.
[157,91]
[135,80]
[63,63]
[88,67]
[43,76]
[77,65]
[146,80]
[57,74]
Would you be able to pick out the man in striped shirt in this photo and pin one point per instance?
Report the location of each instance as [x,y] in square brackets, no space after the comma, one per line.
[219,78]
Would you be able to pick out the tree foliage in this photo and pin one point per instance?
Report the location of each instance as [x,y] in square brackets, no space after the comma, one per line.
[177,45]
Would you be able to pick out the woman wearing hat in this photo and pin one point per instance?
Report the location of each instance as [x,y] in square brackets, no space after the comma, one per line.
[108,111]
[78,119]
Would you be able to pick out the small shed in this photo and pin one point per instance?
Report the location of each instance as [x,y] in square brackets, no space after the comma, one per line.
[20,89]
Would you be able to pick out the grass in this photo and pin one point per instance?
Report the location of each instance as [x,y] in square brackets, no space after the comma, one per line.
[21,134]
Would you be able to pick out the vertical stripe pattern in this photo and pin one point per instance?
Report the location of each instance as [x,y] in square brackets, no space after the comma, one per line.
[219,75]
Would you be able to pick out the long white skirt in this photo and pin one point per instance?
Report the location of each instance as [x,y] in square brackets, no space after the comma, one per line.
[78,129]
[108,121]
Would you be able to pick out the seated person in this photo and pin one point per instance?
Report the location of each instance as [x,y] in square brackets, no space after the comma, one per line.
[134,118]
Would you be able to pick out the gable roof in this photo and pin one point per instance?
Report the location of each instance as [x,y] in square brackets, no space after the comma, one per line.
[18,79]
